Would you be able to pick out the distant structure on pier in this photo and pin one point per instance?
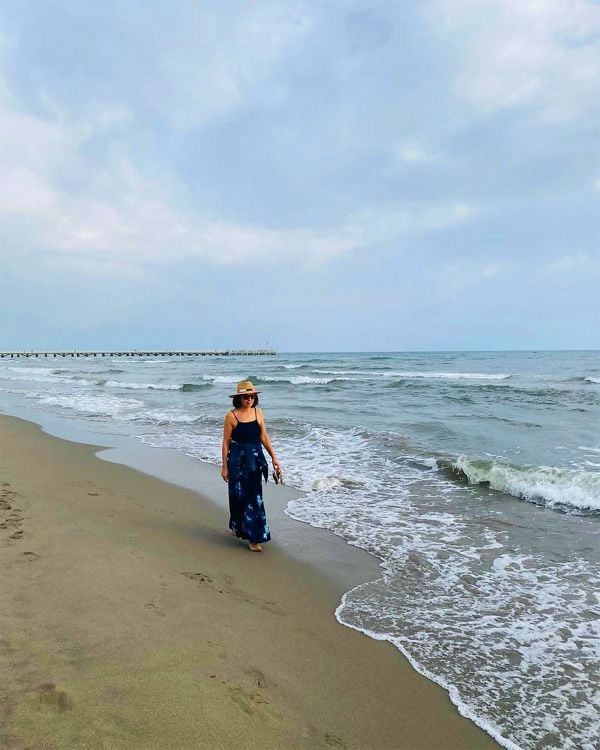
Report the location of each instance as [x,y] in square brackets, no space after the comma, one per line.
[136,353]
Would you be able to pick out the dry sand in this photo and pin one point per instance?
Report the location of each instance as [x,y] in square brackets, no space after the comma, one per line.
[130,619]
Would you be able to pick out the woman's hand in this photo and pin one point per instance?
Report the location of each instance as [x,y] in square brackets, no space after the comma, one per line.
[276,465]
[225,474]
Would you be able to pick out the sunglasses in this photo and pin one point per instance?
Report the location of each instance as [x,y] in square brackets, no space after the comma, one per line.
[249,396]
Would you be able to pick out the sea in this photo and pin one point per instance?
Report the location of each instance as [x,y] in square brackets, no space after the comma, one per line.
[473,477]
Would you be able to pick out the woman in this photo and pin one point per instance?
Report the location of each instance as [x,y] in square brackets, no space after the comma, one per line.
[244,465]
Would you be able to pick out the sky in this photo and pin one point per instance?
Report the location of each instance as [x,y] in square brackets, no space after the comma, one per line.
[340,175]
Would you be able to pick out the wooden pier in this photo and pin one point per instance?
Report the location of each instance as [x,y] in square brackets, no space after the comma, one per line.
[135,353]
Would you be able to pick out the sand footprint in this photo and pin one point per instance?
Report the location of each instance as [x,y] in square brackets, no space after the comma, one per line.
[259,678]
[218,649]
[151,607]
[333,741]
[12,518]
[198,577]
[249,702]
[228,588]
[50,697]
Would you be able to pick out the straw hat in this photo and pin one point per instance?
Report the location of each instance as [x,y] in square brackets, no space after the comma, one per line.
[244,387]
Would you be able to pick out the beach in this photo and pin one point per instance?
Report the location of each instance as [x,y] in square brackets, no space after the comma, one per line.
[130,619]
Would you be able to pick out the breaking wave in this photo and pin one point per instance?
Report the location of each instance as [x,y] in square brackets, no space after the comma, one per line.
[562,489]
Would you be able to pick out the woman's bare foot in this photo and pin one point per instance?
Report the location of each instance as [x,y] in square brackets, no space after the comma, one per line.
[255,547]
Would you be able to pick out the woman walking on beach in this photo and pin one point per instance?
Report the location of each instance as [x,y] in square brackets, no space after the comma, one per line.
[244,465]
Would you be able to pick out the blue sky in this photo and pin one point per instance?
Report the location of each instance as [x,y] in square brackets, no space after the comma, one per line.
[328,176]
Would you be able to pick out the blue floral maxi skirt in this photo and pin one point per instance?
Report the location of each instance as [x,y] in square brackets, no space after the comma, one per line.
[247,466]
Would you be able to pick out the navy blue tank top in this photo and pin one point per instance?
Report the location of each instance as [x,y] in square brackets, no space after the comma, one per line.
[246,432]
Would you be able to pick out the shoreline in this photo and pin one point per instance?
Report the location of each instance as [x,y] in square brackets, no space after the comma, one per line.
[130,619]
[340,565]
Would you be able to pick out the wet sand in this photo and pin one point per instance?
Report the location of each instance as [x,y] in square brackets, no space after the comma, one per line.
[130,619]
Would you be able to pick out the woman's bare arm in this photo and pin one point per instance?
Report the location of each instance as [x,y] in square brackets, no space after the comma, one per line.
[227,430]
[264,439]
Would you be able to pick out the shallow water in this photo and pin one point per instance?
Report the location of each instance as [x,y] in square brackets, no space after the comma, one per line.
[473,477]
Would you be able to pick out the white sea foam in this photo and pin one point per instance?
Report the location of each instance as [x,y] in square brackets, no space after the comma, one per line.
[221,378]
[154,361]
[454,693]
[454,375]
[492,626]
[309,380]
[32,369]
[591,379]
[554,487]
[590,448]
[35,376]
[387,374]
[96,405]
[169,417]
[297,379]
[56,379]
[325,484]
[143,386]
[46,375]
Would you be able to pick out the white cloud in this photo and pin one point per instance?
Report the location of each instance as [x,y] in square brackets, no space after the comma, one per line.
[108,218]
[387,223]
[454,278]
[544,53]
[413,153]
[216,58]
[118,220]
[579,262]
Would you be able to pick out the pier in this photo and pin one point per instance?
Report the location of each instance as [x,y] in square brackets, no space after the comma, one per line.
[150,353]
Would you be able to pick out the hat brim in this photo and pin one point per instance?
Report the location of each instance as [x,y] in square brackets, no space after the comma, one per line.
[246,393]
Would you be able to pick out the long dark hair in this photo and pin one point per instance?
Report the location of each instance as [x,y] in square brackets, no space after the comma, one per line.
[237,401]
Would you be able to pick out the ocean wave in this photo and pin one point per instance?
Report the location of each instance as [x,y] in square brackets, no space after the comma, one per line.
[143,386]
[34,378]
[221,378]
[184,388]
[33,369]
[590,448]
[44,375]
[173,417]
[516,390]
[417,374]
[559,488]
[333,482]
[366,373]
[310,380]
[191,387]
[454,375]
[591,379]
[300,380]
[156,361]
[99,406]
[82,372]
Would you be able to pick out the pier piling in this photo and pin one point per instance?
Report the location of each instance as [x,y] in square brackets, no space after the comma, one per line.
[166,353]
